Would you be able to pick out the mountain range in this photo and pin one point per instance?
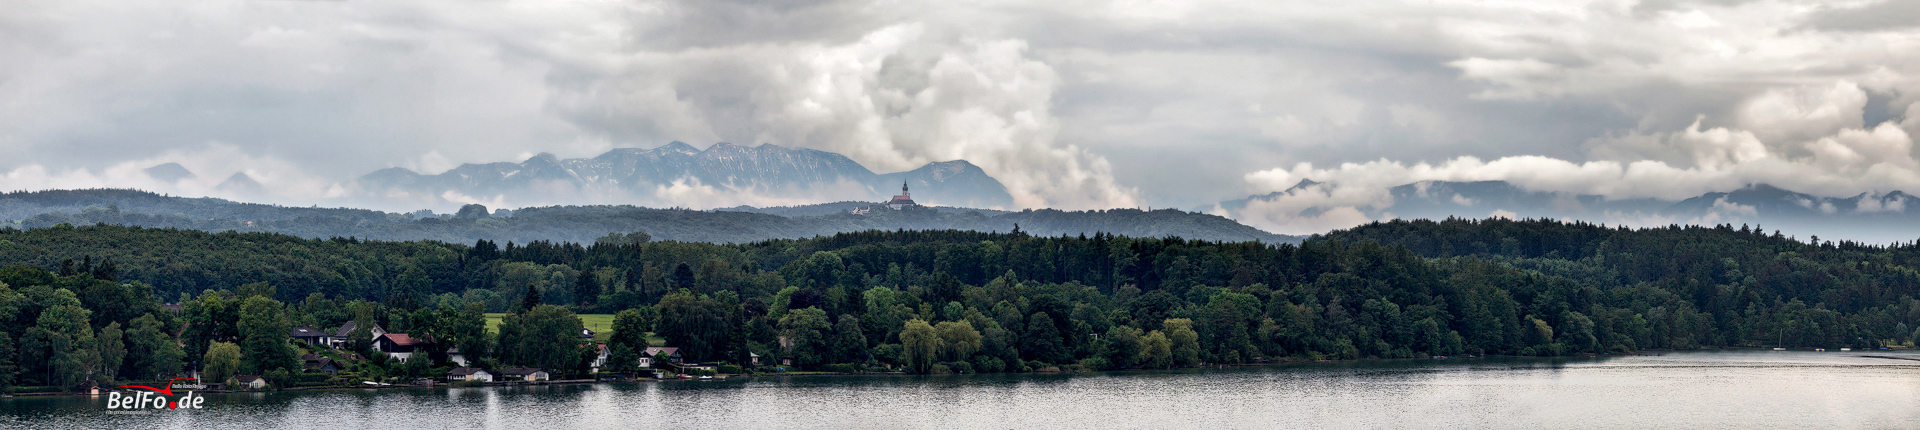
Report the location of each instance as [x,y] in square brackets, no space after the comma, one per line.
[584,224]
[1871,218]
[632,175]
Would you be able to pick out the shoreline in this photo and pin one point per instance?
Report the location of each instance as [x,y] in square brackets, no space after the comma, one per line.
[1652,352]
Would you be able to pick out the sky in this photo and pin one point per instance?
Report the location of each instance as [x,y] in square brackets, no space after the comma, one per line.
[1072,104]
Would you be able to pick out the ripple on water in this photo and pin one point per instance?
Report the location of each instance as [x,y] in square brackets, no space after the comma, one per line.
[1741,389]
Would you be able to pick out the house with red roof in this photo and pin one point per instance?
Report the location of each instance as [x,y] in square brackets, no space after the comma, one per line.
[400,346]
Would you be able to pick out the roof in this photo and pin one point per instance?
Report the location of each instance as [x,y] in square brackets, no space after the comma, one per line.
[311,357]
[403,340]
[347,328]
[901,200]
[466,371]
[322,363]
[306,332]
[658,349]
[521,371]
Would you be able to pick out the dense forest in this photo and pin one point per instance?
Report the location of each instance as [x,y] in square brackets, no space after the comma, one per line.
[42,209]
[948,301]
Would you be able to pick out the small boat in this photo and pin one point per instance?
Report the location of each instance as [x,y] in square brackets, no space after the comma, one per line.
[1819,350]
[1845,349]
[1779,349]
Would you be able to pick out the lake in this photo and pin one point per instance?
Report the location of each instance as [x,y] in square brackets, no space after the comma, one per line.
[1734,389]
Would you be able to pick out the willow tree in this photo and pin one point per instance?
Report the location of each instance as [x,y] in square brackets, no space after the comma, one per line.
[921,344]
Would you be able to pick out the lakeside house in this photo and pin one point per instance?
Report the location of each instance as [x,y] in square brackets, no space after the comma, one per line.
[600,360]
[524,374]
[400,346]
[340,336]
[315,363]
[310,336]
[454,356]
[673,356]
[252,382]
[469,374]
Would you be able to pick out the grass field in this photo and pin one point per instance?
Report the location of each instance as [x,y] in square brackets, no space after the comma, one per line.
[601,324]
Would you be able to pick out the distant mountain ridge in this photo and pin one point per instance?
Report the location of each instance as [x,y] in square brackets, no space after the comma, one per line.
[1873,218]
[766,169]
[583,224]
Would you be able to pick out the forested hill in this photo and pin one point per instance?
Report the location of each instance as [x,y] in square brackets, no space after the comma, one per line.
[1017,301]
[28,210]
[1730,273]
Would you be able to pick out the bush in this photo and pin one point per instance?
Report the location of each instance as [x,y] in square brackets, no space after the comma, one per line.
[1096,363]
[986,364]
[278,379]
[940,369]
[842,368]
[961,367]
[732,369]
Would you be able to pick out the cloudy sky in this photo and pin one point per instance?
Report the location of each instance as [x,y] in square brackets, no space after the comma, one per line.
[1073,104]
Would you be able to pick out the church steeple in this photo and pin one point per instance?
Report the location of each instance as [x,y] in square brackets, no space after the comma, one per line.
[903,200]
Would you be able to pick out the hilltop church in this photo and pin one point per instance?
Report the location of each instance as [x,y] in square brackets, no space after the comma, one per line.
[905,199]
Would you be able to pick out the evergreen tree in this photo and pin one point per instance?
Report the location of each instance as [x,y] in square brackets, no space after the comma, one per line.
[586,290]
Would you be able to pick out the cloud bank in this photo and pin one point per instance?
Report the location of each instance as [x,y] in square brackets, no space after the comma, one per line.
[1072,104]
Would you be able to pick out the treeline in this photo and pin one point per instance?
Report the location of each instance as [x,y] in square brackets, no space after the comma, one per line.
[45,209]
[985,302]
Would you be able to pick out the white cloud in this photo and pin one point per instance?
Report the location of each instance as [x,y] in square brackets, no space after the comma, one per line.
[1073,103]
[1845,161]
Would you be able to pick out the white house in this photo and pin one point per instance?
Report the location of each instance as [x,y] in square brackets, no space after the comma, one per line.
[454,356]
[339,338]
[673,356]
[252,382]
[524,374]
[600,361]
[469,374]
[399,346]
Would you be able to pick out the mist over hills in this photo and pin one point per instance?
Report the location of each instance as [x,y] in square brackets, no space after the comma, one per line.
[679,173]
[586,223]
[1870,218]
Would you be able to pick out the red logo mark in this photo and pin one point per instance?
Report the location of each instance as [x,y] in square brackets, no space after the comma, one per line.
[167,391]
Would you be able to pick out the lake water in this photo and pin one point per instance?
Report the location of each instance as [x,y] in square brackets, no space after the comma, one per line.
[1742,389]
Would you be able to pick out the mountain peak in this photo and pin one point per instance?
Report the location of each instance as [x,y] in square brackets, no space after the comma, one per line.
[170,172]
[678,146]
[242,185]
[544,157]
